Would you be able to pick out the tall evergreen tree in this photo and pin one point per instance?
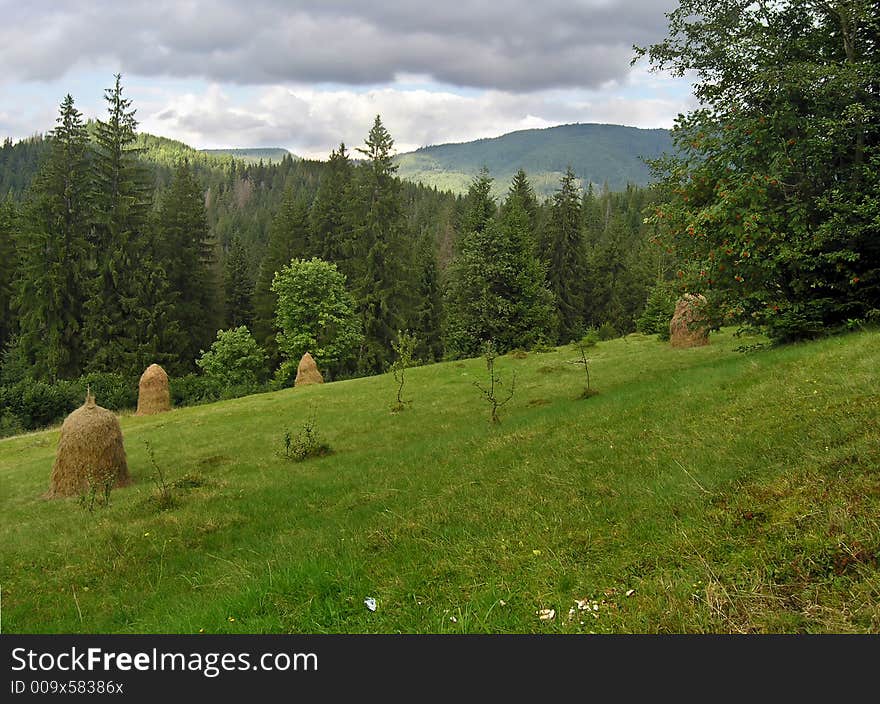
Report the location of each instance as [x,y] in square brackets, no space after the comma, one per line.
[563,246]
[122,330]
[9,270]
[328,233]
[479,208]
[54,250]
[184,248]
[497,289]
[428,320]
[522,193]
[238,286]
[383,285]
[288,239]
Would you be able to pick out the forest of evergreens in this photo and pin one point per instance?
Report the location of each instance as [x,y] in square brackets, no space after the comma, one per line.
[123,249]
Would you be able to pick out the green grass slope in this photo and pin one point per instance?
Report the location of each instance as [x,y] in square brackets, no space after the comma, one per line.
[701,490]
[597,153]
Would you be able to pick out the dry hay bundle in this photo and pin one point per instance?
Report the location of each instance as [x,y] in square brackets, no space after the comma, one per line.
[154,396]
[689,326]
[90,452]
[307,372]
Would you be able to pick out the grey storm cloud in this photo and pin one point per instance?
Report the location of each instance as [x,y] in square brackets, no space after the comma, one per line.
[514,45]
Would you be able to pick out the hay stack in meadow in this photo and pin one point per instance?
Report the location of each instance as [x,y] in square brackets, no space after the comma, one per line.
[307,372]
[689,326]
[90,452]
[154,396]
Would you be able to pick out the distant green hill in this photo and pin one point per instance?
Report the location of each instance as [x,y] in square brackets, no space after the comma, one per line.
[252,156]
[600,154]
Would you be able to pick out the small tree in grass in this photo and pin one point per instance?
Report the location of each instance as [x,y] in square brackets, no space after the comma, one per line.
[492,391]
[581,346]
[404,346]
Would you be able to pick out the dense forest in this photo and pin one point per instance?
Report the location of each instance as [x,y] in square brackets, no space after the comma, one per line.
[122,249]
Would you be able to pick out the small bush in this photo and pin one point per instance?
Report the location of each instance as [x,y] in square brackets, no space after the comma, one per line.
[657,315]
[306,444]
[607,332]
[10,424]
[235,359]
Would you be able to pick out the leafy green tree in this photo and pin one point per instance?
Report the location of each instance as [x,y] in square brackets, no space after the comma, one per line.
[384,279]
[288,239]
[772,194]
[235,359]
[184,248]
[563,246]
[315,314]
[328,231]
[238,285]
[497,289]
[53,254]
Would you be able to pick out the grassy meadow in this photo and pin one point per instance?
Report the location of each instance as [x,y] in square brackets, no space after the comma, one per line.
[700,490]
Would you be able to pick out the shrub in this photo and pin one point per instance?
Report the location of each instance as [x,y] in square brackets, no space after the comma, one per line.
[657,315]
[234,359]
[112,391]
[10,424]
[607,331]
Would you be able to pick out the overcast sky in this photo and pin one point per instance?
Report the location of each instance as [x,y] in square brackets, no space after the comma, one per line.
[306,74]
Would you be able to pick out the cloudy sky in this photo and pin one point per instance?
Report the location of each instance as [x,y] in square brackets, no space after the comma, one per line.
[305,74]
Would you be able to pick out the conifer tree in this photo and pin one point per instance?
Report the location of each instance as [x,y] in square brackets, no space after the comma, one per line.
[328,233]
[238,286]
[428,318]
[563,246]
[522,193]
[9,270]
[497,289]
[54,251]
[117,317]
[183,246]
[288,239]
[383,284]
[479,206]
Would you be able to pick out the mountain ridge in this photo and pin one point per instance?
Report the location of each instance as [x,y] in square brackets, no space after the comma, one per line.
[598,153]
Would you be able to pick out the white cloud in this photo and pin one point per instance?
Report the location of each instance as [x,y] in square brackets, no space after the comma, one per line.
[310,122]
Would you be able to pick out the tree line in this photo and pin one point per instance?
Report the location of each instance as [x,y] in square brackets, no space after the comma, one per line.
[127,249]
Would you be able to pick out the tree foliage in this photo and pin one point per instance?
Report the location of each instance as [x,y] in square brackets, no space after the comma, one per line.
[315,314]
[771,199]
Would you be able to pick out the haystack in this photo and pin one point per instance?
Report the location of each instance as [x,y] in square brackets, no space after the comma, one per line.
[90,452]
[154,395]
[307,372]
[689,326]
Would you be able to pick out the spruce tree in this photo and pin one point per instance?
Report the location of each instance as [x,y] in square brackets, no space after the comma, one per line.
[328,233]
[288,239]
[125,327]
[383,281]
[184,248]
[54,252]
[428,319]
[563,246]
[238,286]
[497,289]
[479,206]
[522,193]
[9,270]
